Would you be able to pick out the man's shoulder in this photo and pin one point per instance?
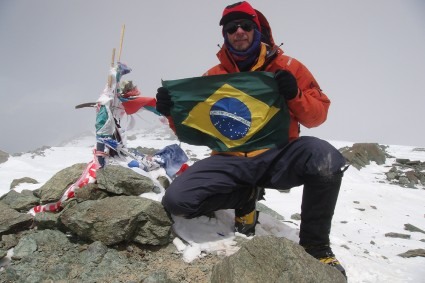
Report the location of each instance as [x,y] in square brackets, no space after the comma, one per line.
[216,70]
[284,61]
[286,58]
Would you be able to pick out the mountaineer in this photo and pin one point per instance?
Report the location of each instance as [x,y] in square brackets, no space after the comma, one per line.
[236,179]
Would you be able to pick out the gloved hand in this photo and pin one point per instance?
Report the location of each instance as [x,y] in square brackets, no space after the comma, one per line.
[287,84]
[163,101]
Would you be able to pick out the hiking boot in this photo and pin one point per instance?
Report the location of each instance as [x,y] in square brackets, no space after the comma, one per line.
[245,224]
[325,255]
[246,217]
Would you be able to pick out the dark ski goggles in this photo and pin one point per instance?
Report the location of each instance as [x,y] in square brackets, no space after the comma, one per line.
[232,27]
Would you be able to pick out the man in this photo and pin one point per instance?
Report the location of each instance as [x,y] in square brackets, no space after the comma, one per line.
[234,180]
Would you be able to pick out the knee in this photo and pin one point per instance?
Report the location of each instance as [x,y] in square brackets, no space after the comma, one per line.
[324,159]
[176,204]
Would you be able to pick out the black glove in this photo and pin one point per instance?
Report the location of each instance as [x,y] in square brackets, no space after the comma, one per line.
[287,84]
[163,101]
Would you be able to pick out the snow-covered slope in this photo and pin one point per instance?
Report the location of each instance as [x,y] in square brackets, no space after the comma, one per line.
[367,209]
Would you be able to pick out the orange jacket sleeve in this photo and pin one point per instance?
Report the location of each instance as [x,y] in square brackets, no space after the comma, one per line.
[310,106]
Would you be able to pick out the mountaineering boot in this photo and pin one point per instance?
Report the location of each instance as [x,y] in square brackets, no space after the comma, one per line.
[245,224]
[246,217]
[325,255]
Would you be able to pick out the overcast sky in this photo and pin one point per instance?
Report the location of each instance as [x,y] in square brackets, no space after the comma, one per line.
[367,55]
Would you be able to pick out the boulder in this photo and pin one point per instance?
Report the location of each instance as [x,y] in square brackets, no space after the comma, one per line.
[273,259]
[53,189]
[22,201]
[413,253]
[17,182]
[47,220]
[4,156]
[361,154]
[12,221]
[90,192]
[116,219]
[119,180]
[50,256]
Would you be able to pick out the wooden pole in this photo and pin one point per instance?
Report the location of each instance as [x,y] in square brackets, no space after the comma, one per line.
[112,65]
[121,41]
[113,56]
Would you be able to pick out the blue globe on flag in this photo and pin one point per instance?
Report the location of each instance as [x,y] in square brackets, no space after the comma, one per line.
[231,118]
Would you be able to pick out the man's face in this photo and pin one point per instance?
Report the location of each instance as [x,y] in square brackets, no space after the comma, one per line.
[240,34]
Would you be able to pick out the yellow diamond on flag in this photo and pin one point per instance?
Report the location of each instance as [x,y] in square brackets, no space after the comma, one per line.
[230,115]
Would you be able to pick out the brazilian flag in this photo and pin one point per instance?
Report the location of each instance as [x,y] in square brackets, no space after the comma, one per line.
[232,112]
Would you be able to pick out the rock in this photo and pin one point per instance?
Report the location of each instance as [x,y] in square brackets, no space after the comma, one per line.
[272,259]
[100,264]
[402,160]
[53,190]
[116,219]
[47,220]
[36,193]
[407,174]
[361,154]
[17,182]
[12,221]
[49,256]
[397,235]
[412,177]
[3,253]
[119,180]
[25,247]
[4,156]
[296,216]
[94,253]
[21,202]
[90,192]
[391,175]
[8,241]
[403,180]
[413,253]
[267,210]
[158,277]
[412,228]
[164,181]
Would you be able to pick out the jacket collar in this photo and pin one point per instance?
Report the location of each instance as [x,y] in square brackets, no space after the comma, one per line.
[267,53]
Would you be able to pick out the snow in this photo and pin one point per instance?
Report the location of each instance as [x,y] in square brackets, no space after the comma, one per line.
[368,208]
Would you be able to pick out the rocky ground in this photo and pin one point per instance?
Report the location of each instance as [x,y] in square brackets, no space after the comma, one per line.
[51,256]
[81,261]
[68,247]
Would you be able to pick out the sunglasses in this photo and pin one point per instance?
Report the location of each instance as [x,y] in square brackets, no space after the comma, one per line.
[232,27]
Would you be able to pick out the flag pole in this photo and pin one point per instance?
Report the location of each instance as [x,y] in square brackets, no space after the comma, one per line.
[121,41]
[119,55]
[112,65]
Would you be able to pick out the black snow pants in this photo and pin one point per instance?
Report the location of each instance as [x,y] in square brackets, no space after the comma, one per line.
[226,182]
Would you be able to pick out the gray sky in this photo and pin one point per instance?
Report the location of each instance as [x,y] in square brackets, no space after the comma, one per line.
[367,55]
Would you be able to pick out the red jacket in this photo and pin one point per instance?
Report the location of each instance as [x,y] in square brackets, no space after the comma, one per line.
[310,107]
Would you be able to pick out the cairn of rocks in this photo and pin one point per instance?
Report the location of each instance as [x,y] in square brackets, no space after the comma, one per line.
[109,233]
